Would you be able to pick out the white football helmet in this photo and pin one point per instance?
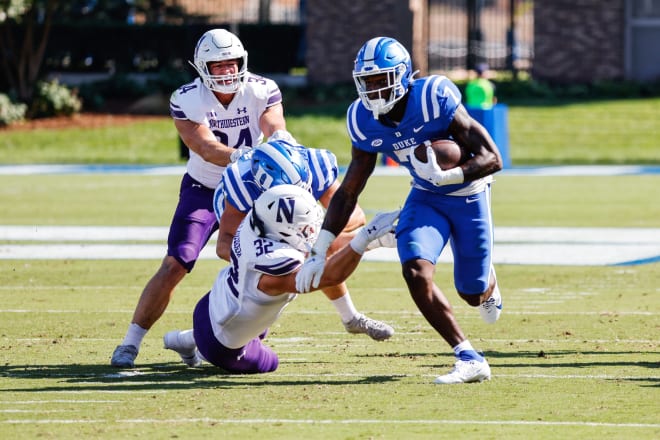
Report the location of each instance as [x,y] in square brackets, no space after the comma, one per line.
[289,214]
[220,45]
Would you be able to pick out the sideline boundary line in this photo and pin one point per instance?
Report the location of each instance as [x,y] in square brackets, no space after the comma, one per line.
[513,245]
[169,170]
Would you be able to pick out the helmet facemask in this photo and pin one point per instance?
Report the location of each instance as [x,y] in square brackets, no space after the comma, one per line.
[380,100]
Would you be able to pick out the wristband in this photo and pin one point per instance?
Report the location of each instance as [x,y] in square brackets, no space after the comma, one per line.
[323,242]
[359,242]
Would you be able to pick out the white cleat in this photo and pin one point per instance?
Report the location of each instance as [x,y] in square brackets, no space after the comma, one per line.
[466,372]
[491,309]
[189,354]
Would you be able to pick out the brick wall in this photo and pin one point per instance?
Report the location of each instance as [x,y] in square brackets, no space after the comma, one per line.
[578,41]
[336,29]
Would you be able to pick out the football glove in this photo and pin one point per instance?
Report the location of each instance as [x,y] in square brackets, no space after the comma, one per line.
[312,269]
[283,135]
[381,225]
[238,152]
[431,171]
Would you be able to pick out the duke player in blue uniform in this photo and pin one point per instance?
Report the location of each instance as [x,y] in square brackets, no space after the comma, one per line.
[218,115]
[275,163]
[394,114]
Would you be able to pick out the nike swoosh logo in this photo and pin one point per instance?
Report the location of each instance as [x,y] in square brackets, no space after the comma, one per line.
[468,200]
[417,129]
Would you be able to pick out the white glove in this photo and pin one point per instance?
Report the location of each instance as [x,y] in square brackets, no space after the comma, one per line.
[379,226]
[283,135]
[312,269]
[238,152]
[431,171]
[387,241]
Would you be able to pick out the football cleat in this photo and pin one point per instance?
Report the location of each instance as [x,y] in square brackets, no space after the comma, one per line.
[465,372]
[491,309]
[189,354]
[124,356]
[376,330]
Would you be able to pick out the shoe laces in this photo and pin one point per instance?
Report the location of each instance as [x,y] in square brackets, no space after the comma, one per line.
[488,304]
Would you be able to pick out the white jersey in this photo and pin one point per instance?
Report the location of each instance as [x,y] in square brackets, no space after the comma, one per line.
[236,125]
[239,311]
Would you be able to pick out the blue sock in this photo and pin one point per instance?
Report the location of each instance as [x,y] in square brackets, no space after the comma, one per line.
[470,355]
[465,352]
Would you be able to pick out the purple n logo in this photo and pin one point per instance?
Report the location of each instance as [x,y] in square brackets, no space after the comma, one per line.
[285,209]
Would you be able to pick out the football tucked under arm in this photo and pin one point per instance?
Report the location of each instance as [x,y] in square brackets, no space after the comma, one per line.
[438,162]
[448,154]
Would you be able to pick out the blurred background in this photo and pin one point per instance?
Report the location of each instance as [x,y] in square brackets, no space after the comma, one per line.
[106,54]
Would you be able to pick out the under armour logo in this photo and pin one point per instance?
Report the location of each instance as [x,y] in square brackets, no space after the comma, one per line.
[371,229]
[241,356]
[239,110]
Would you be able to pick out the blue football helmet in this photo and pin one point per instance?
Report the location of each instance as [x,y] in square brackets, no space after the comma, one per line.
[378,56]
[277,163]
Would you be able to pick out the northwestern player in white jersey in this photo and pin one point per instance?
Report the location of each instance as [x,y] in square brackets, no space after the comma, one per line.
[218,115]
[275,163]
[394,114]
[231,321]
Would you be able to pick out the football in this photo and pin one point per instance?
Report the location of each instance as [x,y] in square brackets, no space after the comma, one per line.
[448,154]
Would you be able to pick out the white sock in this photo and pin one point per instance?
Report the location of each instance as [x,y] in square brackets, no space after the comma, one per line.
[496,293]
[345,307]
[134,335]
[465,345]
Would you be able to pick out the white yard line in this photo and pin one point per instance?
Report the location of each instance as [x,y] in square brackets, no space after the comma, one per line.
[513,245]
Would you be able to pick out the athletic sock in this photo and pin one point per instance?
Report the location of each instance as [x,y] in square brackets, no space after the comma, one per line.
[465,352]
[134,335]
[345,307]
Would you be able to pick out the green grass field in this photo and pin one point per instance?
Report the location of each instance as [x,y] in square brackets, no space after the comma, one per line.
[576,353]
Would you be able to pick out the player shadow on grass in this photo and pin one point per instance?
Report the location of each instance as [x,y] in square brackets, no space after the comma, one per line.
[158,377]
[549,359]
[579,360]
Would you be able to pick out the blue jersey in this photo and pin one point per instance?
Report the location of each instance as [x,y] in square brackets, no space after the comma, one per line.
[239,188]
[432,103]
[432,214]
